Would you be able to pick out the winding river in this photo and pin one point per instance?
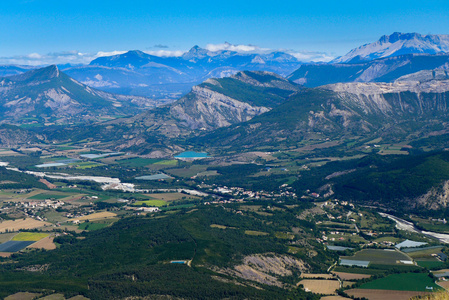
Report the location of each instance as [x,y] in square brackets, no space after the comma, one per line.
[409,226]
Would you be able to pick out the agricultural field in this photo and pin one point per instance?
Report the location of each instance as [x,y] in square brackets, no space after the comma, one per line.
[44,196]
[169,197]
[384,294]
[97,216]
[375,256]
[23,296]
[187,172]
[334,298]
[430,264]
[419,282]
[156,203]
[136,162]
[30,236]
[45,243]
[351,276]
[4,237]
[15,225]
[432,224]
[91,226]
[325,287]
[14,246]
[424,253]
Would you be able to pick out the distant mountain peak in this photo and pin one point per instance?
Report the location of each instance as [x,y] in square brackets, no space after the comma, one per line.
[137,53]
[46,73]
[397,44]
[196,52]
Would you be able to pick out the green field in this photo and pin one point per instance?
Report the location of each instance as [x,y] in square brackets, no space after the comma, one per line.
[174,207]
[44,196]
[139,162]
[85,165]
[92,226]
[29,236]
[430,264]
[403,282]
[171,162]
[157,203]
[376,256]
[356,270]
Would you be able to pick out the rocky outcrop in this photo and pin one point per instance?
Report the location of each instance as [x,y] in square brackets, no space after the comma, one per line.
[267,268]
[436,198]
[206,109]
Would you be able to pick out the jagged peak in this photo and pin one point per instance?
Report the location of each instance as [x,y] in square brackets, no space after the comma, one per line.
[397,44]
[196,52]
[46,73]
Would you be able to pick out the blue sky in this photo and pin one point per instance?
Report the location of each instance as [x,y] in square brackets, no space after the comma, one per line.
[42,30]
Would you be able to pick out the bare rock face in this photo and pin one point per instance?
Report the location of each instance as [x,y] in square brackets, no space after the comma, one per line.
[436,198]
[266,268]
[371,88]
[207,109]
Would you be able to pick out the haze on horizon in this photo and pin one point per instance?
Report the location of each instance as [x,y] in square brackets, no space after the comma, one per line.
[49,31]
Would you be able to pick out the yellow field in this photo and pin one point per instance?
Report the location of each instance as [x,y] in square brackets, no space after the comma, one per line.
[325,287]
[30,236]
[19,224]
[96,216]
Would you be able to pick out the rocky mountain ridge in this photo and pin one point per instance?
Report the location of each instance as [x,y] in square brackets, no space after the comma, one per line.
[380,70]
[397,44]
[139,73]
[345,110]
[48,95]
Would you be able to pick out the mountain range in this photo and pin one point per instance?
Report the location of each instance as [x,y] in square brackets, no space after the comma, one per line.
[249,109]
[138,73]
[338,112]
[47,96]
[397,44]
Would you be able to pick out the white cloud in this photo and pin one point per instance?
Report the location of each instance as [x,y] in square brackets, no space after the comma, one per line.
[110,53]
[304,56]
[236,48]
[36,59]
[165,53]
[34,56]
[311,56]
[76,57]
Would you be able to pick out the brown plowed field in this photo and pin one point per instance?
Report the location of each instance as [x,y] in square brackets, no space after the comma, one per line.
[45,243]
[18,224]
[351,276]
[325,287]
